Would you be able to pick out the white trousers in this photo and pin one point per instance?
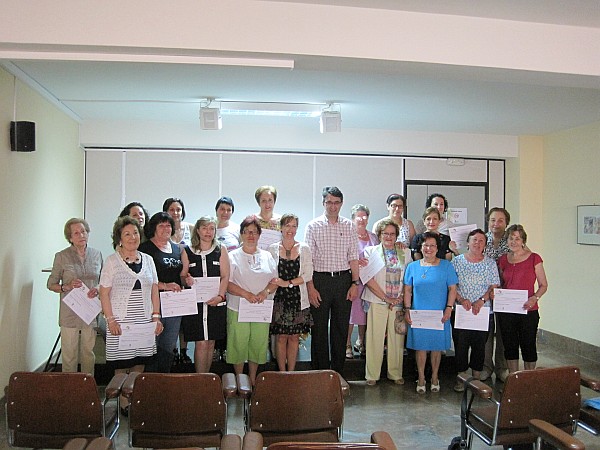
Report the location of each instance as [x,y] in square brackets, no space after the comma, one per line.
[380,322]
[77,346]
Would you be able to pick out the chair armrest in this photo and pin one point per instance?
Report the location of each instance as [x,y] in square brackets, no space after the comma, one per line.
[555,436]
[253,440]
[477,387]
[590,383]
[76,444]
[113,389]
[231,442]
[383,439]
[100,443]
[244,386]
[127,388]
[345,387]
[229,386]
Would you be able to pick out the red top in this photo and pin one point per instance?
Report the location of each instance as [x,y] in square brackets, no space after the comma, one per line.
[520,275]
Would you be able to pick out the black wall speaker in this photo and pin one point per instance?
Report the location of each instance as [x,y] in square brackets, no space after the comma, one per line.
[22,136]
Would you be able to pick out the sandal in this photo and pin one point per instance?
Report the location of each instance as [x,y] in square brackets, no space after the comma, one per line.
[349,354]
[421,389]
[435,387]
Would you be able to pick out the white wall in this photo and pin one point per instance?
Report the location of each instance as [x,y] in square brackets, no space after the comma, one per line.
[39,192]
[570,176]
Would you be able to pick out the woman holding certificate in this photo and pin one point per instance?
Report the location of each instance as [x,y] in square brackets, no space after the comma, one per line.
[477,277]
[384,294]
[207,258]
[429,293]
[170,263]
[266,197]
[251,276]
[520,269]
[73,267]
[129,296]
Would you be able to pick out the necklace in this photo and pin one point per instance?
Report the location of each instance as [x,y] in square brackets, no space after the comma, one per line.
[429,266]
[288,253]
[129,260]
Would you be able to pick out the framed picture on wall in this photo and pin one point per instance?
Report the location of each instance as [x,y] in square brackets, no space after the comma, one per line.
[588,224]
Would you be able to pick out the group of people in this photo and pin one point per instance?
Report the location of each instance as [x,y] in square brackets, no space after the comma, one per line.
[315,287]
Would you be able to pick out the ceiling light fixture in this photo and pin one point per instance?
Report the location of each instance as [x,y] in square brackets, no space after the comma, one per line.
[273,109]
[210,118]
[331,119]
[147,58]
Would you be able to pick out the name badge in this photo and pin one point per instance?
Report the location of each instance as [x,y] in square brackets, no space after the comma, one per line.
[192,264]
[216,263]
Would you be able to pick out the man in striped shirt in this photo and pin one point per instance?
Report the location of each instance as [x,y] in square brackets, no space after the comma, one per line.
[334,245]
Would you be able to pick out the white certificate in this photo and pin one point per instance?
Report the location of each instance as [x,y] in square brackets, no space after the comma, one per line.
[459,235]
[182,303]
[255,312]
[466,320]
[268,237]
[510,300]
[206,288]
[86,308]
[431,320]
[374,265]
[135,335]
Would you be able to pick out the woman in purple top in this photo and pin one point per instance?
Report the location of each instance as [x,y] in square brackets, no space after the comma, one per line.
[358,316]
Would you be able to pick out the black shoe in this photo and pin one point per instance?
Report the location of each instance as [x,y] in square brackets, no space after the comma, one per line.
[184,358]
[125,411]
[176,357]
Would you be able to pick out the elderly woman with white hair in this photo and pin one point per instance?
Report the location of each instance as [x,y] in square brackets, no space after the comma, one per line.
[73,267]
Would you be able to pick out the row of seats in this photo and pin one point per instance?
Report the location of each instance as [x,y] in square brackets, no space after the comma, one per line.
[48,410]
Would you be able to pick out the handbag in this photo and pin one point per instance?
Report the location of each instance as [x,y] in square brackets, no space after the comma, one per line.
[399,322]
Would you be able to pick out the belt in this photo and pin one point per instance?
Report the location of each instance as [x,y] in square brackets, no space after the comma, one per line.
[335,274]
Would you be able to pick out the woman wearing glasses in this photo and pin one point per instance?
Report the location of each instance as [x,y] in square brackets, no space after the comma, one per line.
[396,204]
[251,276]
[429,284]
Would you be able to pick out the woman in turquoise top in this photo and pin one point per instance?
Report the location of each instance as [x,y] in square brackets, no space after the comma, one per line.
[429,284]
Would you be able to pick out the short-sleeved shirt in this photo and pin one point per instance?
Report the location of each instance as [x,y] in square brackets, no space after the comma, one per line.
[251,272]
[333,245]
[474,279]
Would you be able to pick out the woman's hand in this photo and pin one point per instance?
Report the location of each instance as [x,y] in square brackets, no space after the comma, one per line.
[214,301]
[159,326]
[530,304]
[453,247]
[171,287]
[189,280]
[92,293]
[113,327]
[466,304]
[447,314]
[363,262]
[407,316]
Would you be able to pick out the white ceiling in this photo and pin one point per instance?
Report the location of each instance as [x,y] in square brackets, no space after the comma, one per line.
[372,94]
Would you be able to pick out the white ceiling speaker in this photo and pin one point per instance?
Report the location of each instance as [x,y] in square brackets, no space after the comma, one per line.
[331,122]
[210,119]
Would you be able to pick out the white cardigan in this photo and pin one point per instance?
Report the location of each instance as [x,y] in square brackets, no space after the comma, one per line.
[121,279]
[306,269]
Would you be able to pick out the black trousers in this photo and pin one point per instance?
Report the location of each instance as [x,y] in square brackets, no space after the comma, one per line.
[520,331]
[469,339]
[333,313]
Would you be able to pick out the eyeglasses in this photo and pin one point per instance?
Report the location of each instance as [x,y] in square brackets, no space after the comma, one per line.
[389,235]
[250,233]
[429,246]
[329,203]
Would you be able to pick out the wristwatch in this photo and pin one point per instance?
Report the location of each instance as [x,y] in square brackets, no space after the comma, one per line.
[291,285]
[356,282]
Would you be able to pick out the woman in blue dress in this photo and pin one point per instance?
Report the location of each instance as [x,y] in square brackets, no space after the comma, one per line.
[429,284]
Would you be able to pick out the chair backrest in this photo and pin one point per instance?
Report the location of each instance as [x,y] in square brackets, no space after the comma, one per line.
[324,446]
[550,394]
[296,403]
[177,410]
[48,409]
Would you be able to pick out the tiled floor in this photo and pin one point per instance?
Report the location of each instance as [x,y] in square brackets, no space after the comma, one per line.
[427,421]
